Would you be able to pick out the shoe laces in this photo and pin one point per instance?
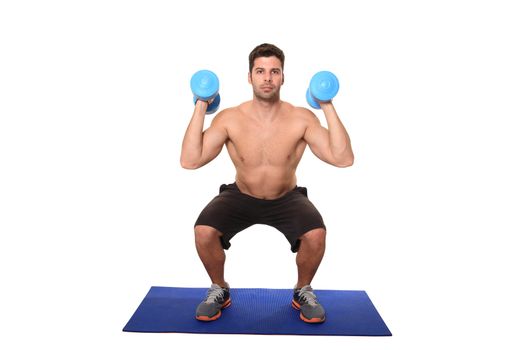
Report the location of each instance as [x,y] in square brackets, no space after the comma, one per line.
[307,295]
[215,293]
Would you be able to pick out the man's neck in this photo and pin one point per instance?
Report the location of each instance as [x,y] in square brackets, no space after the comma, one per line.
[266,109]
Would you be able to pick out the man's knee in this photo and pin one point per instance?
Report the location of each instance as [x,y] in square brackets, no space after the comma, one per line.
[206,234]
[315,238]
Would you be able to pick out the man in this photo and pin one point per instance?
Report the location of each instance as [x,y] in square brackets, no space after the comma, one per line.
[265,138]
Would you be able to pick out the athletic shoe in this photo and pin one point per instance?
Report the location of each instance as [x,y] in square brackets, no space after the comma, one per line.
[305,300]
[218,298]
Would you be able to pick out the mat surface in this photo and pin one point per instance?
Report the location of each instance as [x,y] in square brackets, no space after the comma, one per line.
[256,311]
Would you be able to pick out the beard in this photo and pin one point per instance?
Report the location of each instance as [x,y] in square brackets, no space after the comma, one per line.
[270,96]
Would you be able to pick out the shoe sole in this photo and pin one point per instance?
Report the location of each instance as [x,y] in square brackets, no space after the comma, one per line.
[217,315]
[297,306]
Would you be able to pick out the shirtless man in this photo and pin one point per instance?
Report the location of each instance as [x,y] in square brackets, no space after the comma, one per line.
[265,138]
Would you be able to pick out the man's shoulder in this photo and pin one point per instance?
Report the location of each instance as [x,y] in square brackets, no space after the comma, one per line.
[299,112]
[294,109]
[228,115]
[232,111]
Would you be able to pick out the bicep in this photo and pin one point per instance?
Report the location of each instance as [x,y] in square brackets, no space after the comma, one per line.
[213,139]
[317,138]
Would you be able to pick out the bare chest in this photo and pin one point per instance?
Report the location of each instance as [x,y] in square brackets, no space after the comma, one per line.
[278,145]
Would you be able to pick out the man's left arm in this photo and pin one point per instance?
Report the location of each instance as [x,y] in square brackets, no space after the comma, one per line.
[331,145]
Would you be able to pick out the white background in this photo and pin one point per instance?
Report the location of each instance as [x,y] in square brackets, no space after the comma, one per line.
[95,209]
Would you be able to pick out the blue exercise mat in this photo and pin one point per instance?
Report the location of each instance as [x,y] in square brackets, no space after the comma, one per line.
[256,311]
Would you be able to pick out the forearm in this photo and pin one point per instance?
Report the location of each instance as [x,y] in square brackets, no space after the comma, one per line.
[340,145]
[192,143]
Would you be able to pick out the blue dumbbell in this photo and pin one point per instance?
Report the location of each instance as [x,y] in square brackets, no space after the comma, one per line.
[323,87]
[205,86]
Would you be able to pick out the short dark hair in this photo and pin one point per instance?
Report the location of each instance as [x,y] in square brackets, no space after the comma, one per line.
[266,50]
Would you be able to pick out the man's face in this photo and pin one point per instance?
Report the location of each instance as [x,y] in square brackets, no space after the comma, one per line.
[266,78]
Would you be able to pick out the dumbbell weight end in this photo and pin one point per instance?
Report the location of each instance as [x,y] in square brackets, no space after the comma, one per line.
[323,87]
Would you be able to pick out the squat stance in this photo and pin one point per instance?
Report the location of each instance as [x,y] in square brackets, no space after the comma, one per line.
[265,138]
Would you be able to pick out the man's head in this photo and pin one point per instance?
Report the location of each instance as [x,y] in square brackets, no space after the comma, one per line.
[266,71]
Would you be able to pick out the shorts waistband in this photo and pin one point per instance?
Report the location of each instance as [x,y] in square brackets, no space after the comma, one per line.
[234,187]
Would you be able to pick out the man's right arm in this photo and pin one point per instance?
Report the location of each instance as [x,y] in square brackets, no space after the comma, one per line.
[198,147]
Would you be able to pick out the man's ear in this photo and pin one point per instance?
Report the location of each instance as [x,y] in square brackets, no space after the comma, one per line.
[250,78]
[282,82]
